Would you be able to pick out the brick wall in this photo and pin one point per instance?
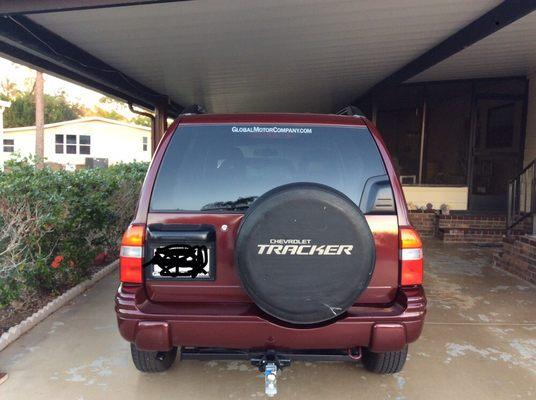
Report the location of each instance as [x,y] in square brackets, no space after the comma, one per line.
[424,222]
[525,226]
[464,228]
[471,228]
[452,235]
[518,256]
[472,221]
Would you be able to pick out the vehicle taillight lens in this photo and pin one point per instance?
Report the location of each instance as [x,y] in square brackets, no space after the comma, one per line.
[131,255]
[411,258]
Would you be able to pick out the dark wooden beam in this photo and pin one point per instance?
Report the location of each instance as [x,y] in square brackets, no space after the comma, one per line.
[24,41]
[14,7]
[494,20]
[159,125]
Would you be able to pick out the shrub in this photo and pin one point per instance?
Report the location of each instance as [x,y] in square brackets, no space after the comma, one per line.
[54,223]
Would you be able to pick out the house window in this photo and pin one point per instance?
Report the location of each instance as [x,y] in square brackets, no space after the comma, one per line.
[73,144]
[9,145]
[144,143]
[84,144]
[59,144]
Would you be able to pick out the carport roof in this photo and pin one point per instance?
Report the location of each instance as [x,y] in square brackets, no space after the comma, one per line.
[510,51]
[254,55]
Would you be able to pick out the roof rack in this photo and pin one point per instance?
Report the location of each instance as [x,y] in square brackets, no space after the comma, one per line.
[193,109]
[352,111]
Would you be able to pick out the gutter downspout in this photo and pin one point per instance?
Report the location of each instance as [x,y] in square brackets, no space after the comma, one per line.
[153,125]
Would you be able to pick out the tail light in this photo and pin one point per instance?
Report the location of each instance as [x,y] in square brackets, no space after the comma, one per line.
[411,258]
[131,254]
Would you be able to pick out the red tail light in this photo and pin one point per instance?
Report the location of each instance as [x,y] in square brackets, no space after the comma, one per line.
[411,258]
[131,255]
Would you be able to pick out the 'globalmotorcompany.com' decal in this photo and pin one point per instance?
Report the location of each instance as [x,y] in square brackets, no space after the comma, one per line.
[269,129]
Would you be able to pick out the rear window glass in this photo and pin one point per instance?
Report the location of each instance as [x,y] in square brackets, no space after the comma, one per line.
[226,167]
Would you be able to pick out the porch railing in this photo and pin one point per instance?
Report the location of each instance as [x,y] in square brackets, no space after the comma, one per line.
[521,196]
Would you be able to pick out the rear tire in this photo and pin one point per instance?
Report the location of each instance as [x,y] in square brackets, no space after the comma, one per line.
[388,362]
[152,361]
[314,218]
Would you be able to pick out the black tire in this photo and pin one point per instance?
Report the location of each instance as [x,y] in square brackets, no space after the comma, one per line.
[388,362]
[323,253]
[152,361]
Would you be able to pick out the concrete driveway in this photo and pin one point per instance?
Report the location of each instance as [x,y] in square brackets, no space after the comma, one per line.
[479,342]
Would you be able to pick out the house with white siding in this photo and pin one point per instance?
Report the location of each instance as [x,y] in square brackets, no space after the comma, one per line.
[84,141]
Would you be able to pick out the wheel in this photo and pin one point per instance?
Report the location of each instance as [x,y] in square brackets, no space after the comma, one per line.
[152,361]
[388,362]
[304,253]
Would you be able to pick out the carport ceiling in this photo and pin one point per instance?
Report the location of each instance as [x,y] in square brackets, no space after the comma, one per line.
[508,52]
[254,55]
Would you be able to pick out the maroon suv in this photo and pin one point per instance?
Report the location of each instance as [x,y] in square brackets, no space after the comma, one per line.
[271,238]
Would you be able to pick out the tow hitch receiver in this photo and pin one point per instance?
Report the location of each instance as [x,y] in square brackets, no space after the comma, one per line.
[270,362]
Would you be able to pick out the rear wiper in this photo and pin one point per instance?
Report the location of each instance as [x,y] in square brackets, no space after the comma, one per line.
[242,203]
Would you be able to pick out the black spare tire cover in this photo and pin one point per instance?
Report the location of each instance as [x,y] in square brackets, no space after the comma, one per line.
[304,253]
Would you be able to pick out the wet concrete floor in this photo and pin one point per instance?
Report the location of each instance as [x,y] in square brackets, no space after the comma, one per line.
[479,342]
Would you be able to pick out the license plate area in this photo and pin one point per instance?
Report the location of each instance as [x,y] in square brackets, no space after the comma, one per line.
[180,253]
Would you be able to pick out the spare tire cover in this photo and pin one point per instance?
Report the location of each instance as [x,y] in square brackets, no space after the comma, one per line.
[304,253]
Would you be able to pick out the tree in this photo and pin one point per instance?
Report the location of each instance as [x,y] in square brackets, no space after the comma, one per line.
[8,89]
[141,120]
[22,110]
[111,114]
[118,112]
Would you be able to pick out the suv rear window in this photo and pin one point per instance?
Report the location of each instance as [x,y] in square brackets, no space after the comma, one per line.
[226,167]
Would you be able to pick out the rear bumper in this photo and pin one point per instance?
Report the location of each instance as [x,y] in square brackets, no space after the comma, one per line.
[158,327]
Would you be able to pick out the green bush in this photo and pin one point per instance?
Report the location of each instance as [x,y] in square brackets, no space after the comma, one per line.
[54,223]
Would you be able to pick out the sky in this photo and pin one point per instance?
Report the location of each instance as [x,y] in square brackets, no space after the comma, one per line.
[24,78]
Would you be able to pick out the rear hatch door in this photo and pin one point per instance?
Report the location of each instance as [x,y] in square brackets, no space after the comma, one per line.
[211,173]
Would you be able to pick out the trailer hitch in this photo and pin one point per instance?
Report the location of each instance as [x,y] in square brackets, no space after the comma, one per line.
[270,363]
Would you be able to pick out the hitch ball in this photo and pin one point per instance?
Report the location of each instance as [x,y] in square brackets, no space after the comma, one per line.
[270,379]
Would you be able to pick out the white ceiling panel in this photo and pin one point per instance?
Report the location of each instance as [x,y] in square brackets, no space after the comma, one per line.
[508,52]
[267,56]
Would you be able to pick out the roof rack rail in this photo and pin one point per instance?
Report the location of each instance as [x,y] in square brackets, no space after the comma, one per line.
[193,109]
[352,111]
